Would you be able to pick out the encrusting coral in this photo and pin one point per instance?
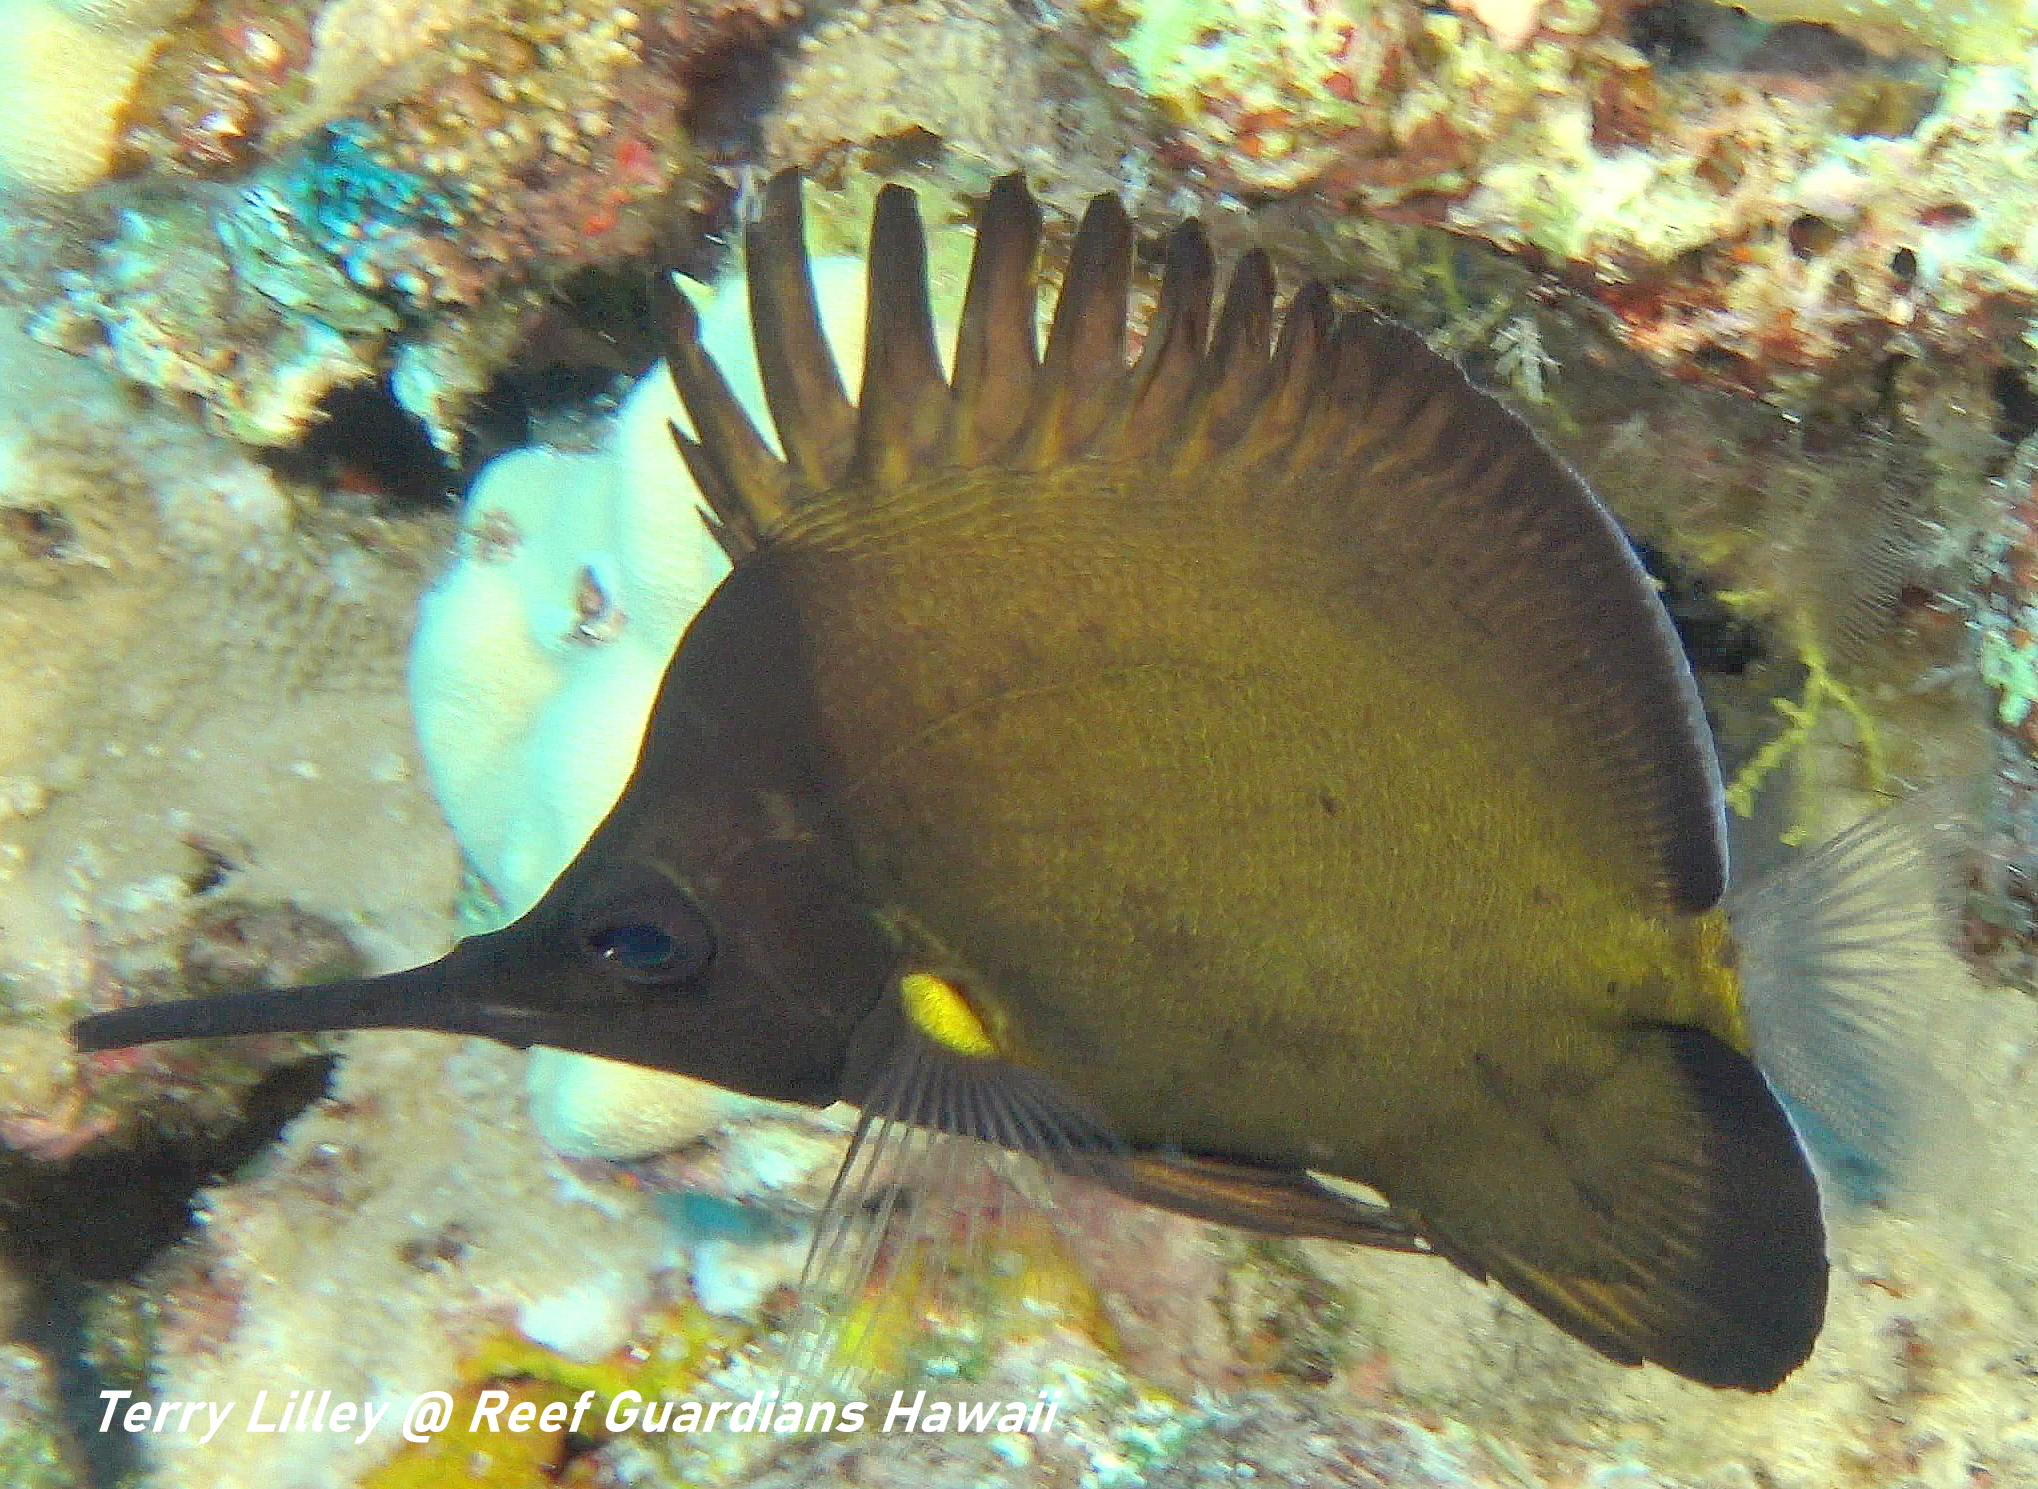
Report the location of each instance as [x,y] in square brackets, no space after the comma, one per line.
[1272,97]
[228,303]
[1776,213]
[1766,210]
[34,1450]
[156,582]
[1967,30]
[970,74]
[389,161]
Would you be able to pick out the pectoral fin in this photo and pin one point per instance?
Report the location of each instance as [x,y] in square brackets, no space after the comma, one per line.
[939,1195]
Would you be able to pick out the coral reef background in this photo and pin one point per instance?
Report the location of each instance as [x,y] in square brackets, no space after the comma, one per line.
[277,277]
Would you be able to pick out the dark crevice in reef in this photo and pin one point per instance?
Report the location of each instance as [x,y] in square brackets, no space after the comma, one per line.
[2016,405]
[1804,49]
[1690,33]
[69,1229]
[1717,639]
[365,441]
[509,413]
[1871,94]
[724,115]
[578,356]
[102,1216]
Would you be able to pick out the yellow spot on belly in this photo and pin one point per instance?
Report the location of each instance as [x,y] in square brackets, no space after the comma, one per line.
[939,1010]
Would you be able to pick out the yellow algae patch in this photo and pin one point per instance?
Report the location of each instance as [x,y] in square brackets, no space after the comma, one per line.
[674,1349]
[1802,716]
[670,1351]
[487,1458]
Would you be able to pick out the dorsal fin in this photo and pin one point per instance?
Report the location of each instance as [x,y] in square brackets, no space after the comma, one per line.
[1084,365]
[815,419]
[1438,477]
[903,404]
[1351,435]
[996,351]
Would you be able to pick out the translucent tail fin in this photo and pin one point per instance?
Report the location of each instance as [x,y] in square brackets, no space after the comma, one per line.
[1846,964]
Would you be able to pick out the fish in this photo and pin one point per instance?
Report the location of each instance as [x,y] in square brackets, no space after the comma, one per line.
[1254,774]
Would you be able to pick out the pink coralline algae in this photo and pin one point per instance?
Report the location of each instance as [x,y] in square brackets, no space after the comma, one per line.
[1761,207]
[378,165]
[1763,204]
[213,94]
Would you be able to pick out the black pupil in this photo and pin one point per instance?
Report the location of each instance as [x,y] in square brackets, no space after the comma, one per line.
[642,947]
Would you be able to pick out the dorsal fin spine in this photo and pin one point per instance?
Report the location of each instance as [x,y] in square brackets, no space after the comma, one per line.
[1235,374]
[744,484]
[1293,379]
[1086,340]
[1164,378]
[904,397]
[996,350]
[809,407]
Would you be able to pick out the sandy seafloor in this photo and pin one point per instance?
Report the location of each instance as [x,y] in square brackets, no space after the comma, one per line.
[206,754]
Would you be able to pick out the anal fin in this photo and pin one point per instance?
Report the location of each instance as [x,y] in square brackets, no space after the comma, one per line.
[1281,1202]
[1658,1209]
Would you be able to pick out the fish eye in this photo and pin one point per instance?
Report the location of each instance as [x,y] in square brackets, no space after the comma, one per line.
[648,930]
[638,948]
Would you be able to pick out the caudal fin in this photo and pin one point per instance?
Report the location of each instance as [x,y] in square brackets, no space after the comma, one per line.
[1846,962]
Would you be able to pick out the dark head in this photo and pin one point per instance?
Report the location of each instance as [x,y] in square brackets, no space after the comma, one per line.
[711,926]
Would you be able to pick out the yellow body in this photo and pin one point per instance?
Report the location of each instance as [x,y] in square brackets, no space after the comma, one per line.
[1251,862]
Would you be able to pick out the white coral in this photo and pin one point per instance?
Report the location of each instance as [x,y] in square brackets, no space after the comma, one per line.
[1512,22]
[134,16]
[64,83]
[535,664]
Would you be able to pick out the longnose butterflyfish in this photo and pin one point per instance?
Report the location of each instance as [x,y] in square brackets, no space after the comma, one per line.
[1224,771]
